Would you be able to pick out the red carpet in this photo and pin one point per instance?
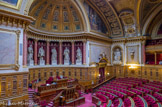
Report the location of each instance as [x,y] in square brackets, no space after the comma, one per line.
[88,101]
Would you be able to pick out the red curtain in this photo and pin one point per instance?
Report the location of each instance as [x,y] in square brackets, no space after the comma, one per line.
[68,45]
[150,59]
[159,57]
[80,45]
[56,46]
[31,42]
[40,44]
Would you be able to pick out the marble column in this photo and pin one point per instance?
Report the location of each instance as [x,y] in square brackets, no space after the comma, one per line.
[25,45]
[144,53]
[73,52]
[35,52]
[84,52]
[60,53]
[48,53]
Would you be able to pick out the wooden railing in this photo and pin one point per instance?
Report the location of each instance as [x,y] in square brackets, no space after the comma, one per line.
[56,100]
[55,86]
[96,100]
[98,85]
[76,102]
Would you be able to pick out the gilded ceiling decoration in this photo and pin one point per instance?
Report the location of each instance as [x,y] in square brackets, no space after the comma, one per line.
[56,16]
[110,16]
[96,23]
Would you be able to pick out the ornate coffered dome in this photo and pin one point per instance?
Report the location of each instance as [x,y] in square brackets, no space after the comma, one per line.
[56,16]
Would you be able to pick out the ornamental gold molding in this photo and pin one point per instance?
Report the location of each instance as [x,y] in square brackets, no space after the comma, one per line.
[14,20]
[17,6]
[81,36]
[130,39]
[152,49]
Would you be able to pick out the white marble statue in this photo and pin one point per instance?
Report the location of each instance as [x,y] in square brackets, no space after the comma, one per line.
[66,56]
[117,56]
[30,56]
[41,54]
[79,57]
[54,56]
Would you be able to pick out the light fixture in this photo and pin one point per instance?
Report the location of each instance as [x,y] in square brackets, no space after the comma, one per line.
[133,66]
[108,73]
[99,75]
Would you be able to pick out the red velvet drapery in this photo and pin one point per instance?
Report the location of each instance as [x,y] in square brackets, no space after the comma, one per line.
[150,59]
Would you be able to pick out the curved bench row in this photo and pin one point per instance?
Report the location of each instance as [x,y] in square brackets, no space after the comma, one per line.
[129,93]
[102,97]
[108,104]
[144,101]
[118,93]
[118,86]
[158,96]
[110,95]
[132,102]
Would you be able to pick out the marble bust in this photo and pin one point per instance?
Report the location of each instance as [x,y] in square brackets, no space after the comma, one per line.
[54,56]
[30,56]
[79,57]
[66,56]
[41,54]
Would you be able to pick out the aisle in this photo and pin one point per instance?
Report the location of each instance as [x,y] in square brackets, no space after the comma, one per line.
[88,101]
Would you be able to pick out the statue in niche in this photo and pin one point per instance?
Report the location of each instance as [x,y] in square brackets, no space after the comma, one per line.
[30,56]
[79,57]
[41,54]
[54,56]
[66,56]
[117,56]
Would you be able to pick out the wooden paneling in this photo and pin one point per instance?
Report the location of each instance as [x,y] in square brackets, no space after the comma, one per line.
[13,85]
[150,72]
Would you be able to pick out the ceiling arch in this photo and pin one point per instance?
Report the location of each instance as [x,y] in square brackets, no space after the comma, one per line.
[150,18]
[110,16]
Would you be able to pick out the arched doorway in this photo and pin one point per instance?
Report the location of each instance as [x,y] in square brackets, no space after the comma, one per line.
[101,74]
[102,64]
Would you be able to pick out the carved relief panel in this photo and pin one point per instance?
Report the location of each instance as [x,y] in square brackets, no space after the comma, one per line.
[133,54]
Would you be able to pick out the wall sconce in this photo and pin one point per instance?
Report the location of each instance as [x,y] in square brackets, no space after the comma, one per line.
[99,75]
[108,73]
[132,66]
